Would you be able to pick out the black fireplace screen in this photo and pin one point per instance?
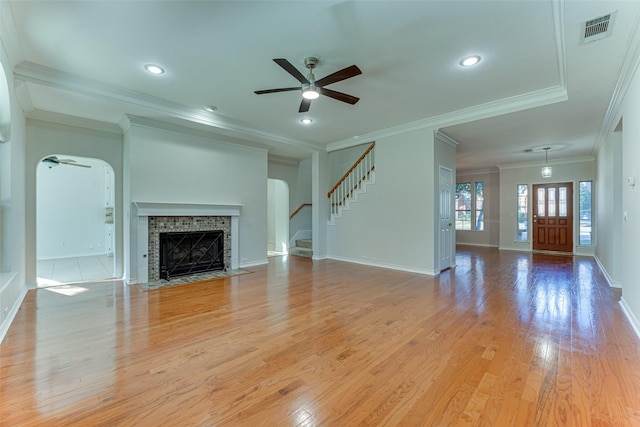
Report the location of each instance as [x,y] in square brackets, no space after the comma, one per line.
[192,252]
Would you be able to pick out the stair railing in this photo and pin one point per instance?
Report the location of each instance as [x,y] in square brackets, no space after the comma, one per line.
[352,180]
[299,209]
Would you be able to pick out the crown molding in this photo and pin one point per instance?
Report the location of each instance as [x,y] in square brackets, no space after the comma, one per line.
[512,104]
[188,130]
[37,74]
[63,119]
[627,72]
[282,160]
[446,139]
[471,172]
[582,159]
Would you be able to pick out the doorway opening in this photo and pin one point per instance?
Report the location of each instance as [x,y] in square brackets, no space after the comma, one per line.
[75,229]
[277,217]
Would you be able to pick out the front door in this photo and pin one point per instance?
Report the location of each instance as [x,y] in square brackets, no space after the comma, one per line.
[553,217]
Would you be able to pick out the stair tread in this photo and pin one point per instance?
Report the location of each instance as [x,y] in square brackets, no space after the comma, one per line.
[304,243]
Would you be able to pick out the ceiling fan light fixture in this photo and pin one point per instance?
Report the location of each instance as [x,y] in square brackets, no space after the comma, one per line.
[310,92]
[470,61]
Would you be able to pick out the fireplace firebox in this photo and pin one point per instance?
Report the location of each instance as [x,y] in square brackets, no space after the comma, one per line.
[191,252]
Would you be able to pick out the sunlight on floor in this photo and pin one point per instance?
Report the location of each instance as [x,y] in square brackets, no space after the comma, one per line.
[67,290]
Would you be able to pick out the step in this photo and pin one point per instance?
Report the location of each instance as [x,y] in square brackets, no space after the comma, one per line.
[304,243]
[301,252]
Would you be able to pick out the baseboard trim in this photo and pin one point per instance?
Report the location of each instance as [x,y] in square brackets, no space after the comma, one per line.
[385,265]
[484,245]
[12,314]
[254,263]
[612,283]
[633,320]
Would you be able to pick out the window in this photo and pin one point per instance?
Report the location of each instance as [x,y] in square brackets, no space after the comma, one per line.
[586,235]
[463,206]
[479,206]
[470,206]
[523,212]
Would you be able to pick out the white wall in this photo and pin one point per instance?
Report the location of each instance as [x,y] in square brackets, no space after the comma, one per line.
[45,139]
[392,225]
[341,160]
[70,203]
[510,177]
[278,216]
[170,165]
[608,208]
[630,111]
[490,236]
[12,185]
[297,175]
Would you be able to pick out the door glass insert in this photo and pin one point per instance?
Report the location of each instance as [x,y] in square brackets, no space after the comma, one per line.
[562,201]
[552,202]
[541,202]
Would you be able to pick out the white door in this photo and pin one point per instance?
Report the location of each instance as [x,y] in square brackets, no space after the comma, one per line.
[446,218]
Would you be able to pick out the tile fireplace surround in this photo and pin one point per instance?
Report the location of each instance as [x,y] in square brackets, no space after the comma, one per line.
[153,218]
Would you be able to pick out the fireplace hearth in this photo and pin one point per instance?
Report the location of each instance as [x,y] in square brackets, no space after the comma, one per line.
[191,252]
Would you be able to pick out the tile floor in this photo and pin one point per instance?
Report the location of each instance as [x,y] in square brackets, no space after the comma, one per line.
[53,272]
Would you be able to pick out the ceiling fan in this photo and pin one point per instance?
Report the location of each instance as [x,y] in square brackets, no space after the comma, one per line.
[312,88]
[53,161]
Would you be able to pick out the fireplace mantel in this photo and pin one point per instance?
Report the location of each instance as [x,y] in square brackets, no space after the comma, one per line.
[185,209]
[143,210]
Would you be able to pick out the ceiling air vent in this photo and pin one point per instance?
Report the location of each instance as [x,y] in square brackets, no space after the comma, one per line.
[597,28]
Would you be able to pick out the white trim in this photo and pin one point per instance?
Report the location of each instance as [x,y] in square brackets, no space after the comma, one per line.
[484,245]
[633,320]
[627,71]
[63,119]
[604,271]
[143,210]
[541,163]
[384,265]
[34,73]
[513,104]
[443,137]
[254,263]
[13,312]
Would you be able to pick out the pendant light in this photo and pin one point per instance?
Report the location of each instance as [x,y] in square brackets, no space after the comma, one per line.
[546,170]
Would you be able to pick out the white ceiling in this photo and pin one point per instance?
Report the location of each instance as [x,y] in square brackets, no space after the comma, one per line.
[535,86]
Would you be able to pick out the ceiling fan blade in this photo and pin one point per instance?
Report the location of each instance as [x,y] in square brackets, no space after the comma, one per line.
[304,105]
[345,73]
[71,162]
[349,99]
[282,89]
[289,68]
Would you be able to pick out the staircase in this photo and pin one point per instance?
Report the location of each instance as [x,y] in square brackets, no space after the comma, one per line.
[352,183]
[302,248]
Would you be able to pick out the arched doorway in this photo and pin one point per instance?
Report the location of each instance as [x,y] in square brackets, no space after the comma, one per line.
[74,220]
[277,217]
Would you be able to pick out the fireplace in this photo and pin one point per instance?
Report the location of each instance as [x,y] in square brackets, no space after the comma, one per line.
[191,252]
[154,219]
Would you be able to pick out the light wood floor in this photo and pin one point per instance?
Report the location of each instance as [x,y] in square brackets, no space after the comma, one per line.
[504,339]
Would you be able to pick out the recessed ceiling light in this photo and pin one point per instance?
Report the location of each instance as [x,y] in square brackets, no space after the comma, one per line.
[154,69]
[470,60]
[306,121]
[210,108]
